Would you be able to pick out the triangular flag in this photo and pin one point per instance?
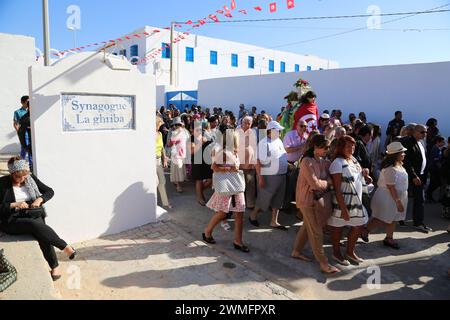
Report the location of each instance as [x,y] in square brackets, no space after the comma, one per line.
[214,18]
[202,22]
[233,4]
[243,11]
[189,22]
[290,4]
[273,7]
[228,15]
[258,8]
[220,11]
[226,8]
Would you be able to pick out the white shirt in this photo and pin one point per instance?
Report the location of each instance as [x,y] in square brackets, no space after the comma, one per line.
[273,157]
[424,157]
[21,194]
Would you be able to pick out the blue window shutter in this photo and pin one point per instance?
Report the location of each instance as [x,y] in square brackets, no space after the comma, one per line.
[297,68]
[189,54]
[282,66]
[166,51]
[251,62]
[213,57]
[234,60]
[309,68]
[134,51]
[271,66]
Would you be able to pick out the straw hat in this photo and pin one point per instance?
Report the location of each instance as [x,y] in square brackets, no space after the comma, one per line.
[395,147]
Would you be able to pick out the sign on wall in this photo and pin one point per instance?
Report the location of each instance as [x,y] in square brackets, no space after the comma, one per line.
[90,112]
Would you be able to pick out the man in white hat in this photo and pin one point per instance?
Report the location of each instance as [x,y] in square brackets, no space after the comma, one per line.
[271,169]
[323,122]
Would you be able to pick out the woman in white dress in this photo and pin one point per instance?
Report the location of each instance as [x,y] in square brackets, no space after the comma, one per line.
[349,181]
[391,198]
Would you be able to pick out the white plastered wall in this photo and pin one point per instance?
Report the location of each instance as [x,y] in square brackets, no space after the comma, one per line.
[419,90]
[16,55]
[105,181]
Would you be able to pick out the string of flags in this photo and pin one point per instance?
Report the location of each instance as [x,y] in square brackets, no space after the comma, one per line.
[227,11]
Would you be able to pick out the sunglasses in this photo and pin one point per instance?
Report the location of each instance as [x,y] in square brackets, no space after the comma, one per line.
[302,126]
[423,132]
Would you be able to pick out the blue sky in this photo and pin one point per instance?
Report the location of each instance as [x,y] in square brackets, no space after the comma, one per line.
[106,19]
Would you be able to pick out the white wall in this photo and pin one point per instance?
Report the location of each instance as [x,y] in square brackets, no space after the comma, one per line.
[420,90]
[16,55]
[105,181]
[187,74]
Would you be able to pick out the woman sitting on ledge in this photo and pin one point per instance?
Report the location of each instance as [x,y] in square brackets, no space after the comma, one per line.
[21,212]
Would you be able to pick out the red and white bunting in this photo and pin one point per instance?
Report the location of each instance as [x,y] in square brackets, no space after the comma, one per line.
[273,7]
[214,18]
[233,4]
[258,8]
[290,4]
[243,11]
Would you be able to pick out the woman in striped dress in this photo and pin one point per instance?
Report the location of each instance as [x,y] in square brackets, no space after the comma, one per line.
[349,184]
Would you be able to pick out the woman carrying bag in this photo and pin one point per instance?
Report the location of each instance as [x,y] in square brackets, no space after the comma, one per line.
[229,187]
[313,184]
[21,212]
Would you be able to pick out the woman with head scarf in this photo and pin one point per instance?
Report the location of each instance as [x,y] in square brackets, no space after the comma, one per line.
[22,213]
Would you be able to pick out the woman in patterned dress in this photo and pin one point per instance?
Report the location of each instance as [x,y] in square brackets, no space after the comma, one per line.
[349,181]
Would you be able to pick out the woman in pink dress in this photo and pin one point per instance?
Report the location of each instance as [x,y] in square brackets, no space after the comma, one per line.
[226,160]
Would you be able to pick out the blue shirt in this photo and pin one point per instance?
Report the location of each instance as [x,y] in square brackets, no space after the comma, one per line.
[18,114]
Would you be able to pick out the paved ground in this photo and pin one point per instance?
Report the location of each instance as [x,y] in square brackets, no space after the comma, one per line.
[160,262]
[417,271]
[167,261]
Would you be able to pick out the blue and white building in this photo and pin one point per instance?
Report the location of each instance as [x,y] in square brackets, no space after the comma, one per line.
[199,58]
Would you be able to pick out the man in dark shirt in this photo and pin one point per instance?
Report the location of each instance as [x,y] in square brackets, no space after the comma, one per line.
[361,153]
[415,164]
[394,127]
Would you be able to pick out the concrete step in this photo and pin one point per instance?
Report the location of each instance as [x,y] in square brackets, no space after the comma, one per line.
[33,277]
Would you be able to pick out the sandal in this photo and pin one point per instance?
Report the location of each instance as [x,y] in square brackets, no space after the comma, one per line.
[282,228]
[330,270]
[241,248]
[209,240]
[390,243]
[254,223]
[355,260]
[344,262]
[202,203]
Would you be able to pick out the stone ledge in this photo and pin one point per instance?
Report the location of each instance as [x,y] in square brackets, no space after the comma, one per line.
[33,277]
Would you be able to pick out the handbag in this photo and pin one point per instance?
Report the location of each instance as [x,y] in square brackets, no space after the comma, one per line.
[323,207]
[8,273]
[33,213]
[229,183]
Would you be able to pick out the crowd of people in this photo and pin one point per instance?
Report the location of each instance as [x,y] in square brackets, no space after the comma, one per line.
[338,173]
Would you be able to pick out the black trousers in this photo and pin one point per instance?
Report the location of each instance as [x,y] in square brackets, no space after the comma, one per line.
[46,236]
[435,182]
[417,192]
